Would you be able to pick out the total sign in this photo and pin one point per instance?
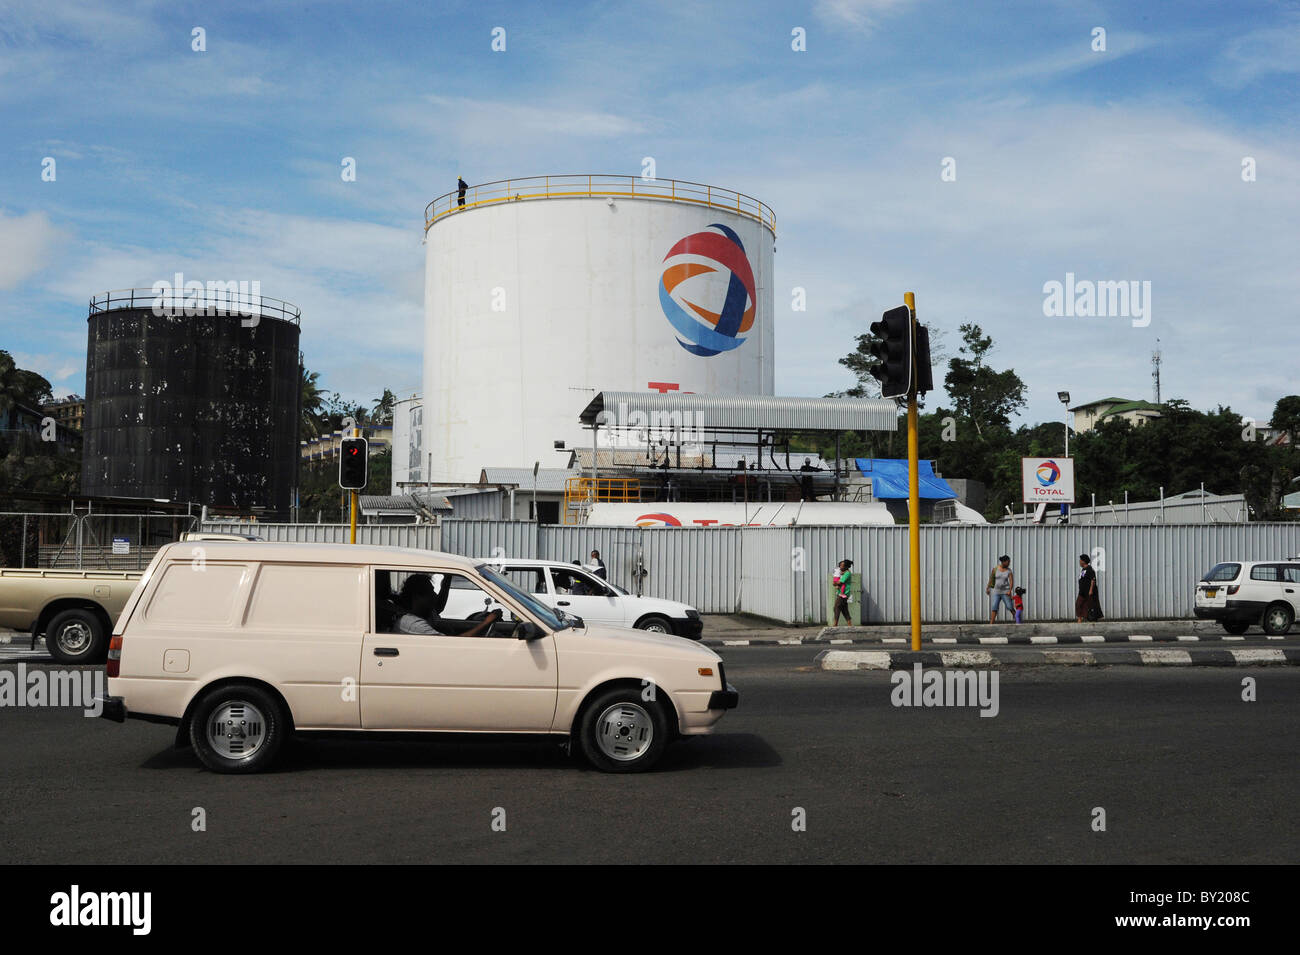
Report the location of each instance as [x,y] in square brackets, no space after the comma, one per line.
[1047,480]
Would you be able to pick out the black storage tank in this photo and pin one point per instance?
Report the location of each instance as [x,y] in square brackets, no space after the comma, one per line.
[193,398]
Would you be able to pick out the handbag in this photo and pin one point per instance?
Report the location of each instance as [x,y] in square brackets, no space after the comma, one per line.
[1094,608]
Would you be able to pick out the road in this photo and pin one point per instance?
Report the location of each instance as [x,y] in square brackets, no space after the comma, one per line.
[1186,771]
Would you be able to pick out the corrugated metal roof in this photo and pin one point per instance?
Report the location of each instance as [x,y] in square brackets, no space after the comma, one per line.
[720,412]
[548,479]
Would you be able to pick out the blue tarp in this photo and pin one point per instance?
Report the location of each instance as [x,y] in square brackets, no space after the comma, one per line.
[889,479]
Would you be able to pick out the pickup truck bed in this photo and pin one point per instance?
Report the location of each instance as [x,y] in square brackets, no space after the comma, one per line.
[74,609]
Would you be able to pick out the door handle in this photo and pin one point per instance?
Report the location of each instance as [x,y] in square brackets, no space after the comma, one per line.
[385,651]
[563,603]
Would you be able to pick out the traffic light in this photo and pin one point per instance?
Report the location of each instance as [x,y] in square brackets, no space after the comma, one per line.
[354,464]
[893,352]
[924,374]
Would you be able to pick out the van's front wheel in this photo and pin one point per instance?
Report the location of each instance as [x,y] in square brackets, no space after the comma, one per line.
[237,728]
[620,732]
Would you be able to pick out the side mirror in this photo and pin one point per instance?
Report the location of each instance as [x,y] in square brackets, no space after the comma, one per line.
[529,631]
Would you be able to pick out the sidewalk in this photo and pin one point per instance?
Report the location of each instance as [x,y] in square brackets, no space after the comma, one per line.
[998,658]
[743,630]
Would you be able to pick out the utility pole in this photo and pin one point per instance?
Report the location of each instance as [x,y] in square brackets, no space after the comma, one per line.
[914,482]
[902,350]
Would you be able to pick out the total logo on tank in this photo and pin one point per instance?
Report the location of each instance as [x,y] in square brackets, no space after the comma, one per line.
[707,291]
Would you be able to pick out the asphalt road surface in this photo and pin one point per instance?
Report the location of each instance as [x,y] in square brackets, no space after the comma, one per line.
[1185,770]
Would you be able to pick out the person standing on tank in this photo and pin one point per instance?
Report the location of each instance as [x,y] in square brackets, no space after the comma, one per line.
[461,186]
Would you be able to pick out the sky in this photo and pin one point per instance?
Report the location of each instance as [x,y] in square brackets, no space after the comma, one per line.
[970,152]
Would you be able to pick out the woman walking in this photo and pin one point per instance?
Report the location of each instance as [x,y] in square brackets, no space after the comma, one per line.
[1087,605]
[1001,582]
[842,581]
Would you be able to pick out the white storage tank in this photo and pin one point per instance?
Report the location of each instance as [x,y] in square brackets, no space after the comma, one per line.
[540,292]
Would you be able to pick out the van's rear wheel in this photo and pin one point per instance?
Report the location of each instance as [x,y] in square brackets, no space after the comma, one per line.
[1277,620]
[237,728]
[76,636]
[1236,627]
[622,733]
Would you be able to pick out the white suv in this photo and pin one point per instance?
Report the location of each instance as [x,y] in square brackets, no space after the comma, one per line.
[580,593]
[1245,592]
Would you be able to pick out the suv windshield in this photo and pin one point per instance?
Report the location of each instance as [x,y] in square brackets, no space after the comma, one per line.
[535,607]
[1220,572]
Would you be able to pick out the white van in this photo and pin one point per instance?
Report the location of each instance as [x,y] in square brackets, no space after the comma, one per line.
[576,590]
[242,644]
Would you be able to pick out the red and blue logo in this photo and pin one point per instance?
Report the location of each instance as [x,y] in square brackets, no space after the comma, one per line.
[1049,472]
[700,330]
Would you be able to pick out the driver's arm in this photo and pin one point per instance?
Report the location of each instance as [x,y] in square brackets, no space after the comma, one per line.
[481,627]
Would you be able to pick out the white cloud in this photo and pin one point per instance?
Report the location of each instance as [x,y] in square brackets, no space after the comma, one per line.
[1260,53]
[26,243]
[859,14]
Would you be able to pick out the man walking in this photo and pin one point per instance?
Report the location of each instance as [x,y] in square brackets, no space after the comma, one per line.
[461,186]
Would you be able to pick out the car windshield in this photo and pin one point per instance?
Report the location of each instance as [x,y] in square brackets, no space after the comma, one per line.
[1220,572]
[535,607]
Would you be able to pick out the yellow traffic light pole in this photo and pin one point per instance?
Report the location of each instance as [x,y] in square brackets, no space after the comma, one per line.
[352,538]
[914,485]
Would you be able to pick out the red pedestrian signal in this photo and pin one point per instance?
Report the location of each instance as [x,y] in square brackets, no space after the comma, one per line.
[354,464]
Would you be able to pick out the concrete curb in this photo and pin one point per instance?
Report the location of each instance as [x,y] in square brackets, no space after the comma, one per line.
[988,659]
[1069,639]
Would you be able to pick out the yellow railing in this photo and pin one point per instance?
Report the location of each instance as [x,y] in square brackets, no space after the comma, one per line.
[628,187]
[581,492]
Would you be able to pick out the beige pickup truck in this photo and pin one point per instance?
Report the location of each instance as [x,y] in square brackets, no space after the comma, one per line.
[74,609]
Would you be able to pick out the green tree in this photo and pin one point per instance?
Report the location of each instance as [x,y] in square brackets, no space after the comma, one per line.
[1286,417]
[311,405]
[984,397]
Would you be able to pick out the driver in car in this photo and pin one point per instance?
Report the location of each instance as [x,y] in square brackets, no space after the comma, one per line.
[421,603]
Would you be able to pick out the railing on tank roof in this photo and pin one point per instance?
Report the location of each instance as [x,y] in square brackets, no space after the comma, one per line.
[215,299]
[585,184]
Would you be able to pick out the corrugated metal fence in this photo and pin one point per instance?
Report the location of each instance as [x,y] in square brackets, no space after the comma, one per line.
[1145,572]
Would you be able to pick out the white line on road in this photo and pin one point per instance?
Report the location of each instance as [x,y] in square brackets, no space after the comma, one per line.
[1261,655]
[968,658]
[1166,657]
[855,660]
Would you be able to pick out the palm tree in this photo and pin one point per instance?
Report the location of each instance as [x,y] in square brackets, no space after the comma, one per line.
[382,412]
[311,404]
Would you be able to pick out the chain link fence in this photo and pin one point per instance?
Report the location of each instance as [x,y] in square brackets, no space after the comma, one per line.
[68,541]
